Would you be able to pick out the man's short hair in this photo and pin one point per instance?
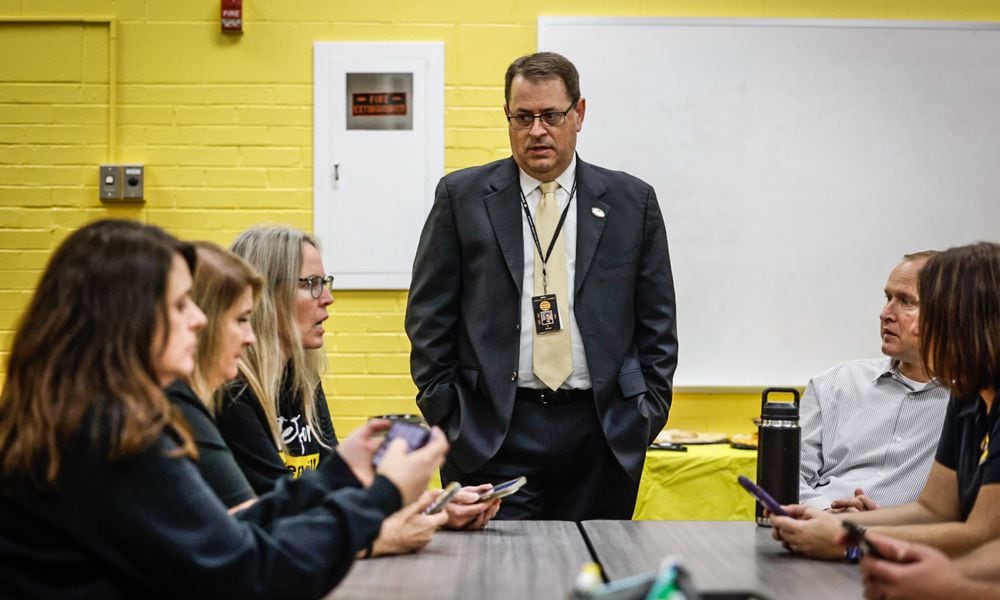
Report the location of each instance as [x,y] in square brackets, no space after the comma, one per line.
[922,255]
[541,66]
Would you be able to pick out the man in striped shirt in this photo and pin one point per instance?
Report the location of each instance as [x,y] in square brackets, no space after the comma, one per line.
[870,427]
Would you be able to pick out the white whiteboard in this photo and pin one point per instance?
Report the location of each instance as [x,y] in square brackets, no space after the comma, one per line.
[795,162]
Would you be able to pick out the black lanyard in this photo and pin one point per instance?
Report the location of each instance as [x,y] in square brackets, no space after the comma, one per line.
[555,235]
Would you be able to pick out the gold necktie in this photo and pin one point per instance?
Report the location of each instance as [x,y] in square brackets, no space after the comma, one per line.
[552,360]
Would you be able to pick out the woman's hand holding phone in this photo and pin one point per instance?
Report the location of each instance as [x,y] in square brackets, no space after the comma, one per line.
[801,529]
[409,529]
[410,471]
[913,571]
[358,449]
[465,511]
[809,531]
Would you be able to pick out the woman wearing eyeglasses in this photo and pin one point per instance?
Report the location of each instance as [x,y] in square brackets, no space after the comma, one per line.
[269,428]
[275,417]
[99,497]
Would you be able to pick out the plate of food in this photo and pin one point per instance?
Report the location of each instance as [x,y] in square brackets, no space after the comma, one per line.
[687,437]
[743,441]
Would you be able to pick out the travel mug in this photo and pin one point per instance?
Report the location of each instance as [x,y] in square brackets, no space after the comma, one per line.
[778,440]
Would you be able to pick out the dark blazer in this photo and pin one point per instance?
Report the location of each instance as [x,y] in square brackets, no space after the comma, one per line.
[463,316]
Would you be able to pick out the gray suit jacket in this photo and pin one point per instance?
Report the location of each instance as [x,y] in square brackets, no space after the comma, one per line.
[463,315]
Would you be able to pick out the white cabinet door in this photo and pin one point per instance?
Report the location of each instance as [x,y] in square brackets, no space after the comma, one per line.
[378,153]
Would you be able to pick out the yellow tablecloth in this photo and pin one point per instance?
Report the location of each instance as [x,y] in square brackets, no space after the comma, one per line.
[697,485]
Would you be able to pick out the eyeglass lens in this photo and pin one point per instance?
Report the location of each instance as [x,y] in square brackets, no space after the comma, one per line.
[316,285]
[552,119]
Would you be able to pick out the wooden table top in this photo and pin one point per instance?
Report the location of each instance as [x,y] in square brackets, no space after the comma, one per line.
[721,556]
[508,560]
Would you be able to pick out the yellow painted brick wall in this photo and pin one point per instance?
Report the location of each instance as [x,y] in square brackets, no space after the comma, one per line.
[223,124]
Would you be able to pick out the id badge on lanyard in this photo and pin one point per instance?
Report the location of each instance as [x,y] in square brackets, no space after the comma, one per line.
[545,307]
[546,311]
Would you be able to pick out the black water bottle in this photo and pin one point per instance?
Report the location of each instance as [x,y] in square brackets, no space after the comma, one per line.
[778,439]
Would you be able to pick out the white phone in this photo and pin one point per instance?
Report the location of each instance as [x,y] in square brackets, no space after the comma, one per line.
[443,498]
[502,490]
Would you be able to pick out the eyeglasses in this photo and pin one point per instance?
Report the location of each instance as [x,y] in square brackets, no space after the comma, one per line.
[315,284]
[555,118]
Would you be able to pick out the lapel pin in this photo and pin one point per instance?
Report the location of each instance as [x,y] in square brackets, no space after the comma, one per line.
[598,212]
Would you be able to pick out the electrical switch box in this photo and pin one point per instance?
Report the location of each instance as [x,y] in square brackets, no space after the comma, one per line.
[121,182]
[111,182]
[134,182]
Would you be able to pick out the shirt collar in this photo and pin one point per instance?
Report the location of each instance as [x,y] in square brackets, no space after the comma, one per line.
[889,368]
[565,179]
[892,370]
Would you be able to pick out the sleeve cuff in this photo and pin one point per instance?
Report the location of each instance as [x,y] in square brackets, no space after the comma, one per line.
[384,495]
[335,473]
[820,502]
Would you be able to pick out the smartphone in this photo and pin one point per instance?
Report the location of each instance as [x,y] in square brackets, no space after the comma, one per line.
[758,492]
[415,436]
[856,537]
[444,498]
[502,490]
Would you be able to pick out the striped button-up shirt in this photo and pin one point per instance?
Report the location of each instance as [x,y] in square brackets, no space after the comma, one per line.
[864,425]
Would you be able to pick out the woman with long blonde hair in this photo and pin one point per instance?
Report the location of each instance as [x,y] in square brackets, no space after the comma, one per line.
[266,419]
[275,417]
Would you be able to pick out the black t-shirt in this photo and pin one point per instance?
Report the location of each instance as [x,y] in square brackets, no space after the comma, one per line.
[244,427]
[966,449]
[215,461]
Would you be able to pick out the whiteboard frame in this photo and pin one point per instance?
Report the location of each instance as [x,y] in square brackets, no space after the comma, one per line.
[545,23]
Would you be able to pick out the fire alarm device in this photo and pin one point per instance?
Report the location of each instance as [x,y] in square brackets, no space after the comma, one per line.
[232,15]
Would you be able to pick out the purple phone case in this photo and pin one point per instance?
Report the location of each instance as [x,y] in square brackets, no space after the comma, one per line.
[758,492]
[415,436]
[856,537]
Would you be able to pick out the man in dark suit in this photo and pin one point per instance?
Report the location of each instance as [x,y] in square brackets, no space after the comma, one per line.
[541,313]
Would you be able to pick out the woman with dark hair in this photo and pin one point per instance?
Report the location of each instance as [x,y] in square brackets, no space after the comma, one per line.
[959,508]
[98,495]
[960,341]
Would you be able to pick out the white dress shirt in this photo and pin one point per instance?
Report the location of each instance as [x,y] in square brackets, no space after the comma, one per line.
[580,377]
[865,425]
